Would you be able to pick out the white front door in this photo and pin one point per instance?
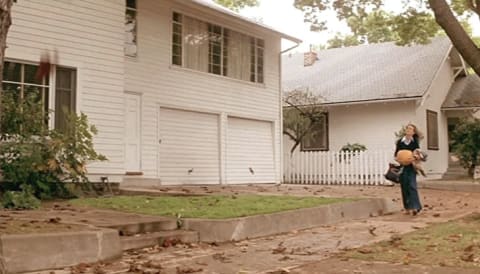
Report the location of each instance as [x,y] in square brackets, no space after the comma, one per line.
[132,132]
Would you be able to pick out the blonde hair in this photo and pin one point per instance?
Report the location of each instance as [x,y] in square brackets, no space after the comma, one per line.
[418,135]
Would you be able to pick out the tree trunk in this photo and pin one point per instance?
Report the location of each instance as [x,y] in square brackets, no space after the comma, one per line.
[459,37]
[5,21]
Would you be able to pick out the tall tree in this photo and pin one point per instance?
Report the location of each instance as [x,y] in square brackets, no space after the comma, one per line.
[5,21]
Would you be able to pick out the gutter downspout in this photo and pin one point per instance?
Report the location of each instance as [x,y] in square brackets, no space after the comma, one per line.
[281,105]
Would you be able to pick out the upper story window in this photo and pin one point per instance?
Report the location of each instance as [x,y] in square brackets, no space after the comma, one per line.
[214,49]
[131,28]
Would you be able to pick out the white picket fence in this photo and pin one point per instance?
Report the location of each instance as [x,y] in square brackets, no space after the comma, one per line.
[325,167]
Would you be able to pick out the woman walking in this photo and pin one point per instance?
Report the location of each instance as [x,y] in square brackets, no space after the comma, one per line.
[408,178]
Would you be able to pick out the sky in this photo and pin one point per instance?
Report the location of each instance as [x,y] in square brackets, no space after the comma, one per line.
[282,16]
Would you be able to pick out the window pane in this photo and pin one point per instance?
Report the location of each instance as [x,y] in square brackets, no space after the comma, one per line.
[177,17]
[196,44]
[177,29]
[239,56]
[177,60]
[12,89]
[260,43]
[64,96]
[33,92]
[64,79]
[12,72]
[317,138]
[31,74]
[132,4]
[177,39]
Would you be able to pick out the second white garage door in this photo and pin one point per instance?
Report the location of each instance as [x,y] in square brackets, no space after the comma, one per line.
[249,151]
[189,147]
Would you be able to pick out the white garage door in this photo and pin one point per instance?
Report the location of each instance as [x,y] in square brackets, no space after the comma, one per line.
[249,151]
[189,150]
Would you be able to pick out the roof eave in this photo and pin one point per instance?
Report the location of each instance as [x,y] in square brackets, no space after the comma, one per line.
[371,101]
[461,108]
[240,17]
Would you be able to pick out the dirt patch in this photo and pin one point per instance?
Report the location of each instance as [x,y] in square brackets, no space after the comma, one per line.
[8,225]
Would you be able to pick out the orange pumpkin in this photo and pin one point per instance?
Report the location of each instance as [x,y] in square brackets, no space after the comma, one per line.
[405,157]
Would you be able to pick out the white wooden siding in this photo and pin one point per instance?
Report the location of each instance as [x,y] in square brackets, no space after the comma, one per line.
[160,83]
[437,162]
[189,147]
[88,35]
[373,125]
[250,155]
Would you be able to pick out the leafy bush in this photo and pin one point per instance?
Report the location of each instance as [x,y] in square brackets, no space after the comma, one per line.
[24,199]
[43,159]
[466,143]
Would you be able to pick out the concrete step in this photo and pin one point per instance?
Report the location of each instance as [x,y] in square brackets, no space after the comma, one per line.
[158,238]
[128,229]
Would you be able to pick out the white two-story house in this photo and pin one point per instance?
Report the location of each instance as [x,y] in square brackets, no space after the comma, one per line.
[182,92]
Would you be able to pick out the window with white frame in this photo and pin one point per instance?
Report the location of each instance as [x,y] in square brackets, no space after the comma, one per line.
[214,49]
[131,28]
[22,80]
[317,137]
[432,130]
[65,95]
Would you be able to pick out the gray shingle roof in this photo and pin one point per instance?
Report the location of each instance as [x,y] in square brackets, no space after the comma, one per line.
[464,93]
[367,72]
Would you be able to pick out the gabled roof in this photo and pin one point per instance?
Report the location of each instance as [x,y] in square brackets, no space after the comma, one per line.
[218,8]
[464,93]
[368,72]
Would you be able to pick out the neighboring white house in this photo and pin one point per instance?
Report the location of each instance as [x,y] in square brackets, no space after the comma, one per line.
[371,91]
[182,92]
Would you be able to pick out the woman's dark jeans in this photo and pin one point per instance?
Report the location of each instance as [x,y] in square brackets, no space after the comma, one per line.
[408,184]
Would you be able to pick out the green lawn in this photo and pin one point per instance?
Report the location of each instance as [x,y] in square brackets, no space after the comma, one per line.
[212,207]
[455,243]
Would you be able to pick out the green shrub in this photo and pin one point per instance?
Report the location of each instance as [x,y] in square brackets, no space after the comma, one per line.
[24,199]
[466,143]
[43,159]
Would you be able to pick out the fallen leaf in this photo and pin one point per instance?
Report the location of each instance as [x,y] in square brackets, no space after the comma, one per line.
[279,250]
[365,250]
[467,257]
[284,258]
[371,230]
[469,248]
